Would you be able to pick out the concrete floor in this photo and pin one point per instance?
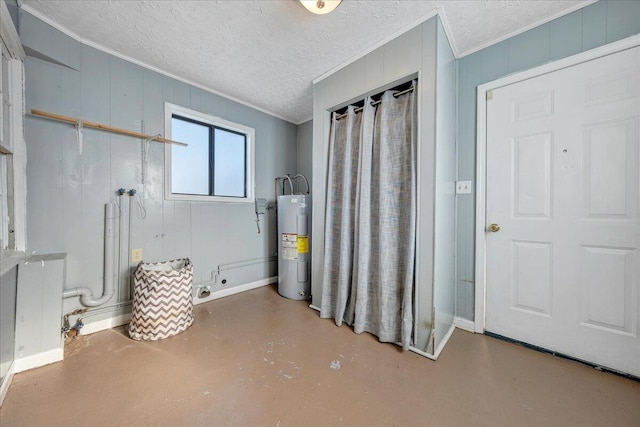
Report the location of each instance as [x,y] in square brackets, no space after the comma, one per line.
[258,359]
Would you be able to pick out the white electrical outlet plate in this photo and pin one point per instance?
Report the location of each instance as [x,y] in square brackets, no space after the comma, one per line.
[136,255]
[463,187]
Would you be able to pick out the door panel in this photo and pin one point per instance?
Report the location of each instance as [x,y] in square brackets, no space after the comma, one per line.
[608,307]
[533,277]
[532,175]
[563,184]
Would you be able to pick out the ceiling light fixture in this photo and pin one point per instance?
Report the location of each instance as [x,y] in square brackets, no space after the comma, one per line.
[320,7]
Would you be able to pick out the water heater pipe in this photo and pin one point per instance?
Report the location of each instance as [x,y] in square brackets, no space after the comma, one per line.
[275,185]
[86,295]
[305,181]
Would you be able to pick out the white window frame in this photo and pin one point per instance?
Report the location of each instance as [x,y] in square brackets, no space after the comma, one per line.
[169,111]
[13,149]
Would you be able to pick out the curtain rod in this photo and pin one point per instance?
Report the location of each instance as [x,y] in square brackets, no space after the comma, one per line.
[98,126]
[374,103]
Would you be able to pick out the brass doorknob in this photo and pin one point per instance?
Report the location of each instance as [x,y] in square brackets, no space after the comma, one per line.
[494,228]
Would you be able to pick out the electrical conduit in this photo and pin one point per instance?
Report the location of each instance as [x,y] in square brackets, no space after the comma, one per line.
[86,295]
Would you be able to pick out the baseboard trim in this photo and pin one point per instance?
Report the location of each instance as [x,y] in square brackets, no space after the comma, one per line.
[6,382]
[236,290]
[123,319]
[422,353]
[444,340]
[314,307]
[465,324]
[101,325]
[38,360]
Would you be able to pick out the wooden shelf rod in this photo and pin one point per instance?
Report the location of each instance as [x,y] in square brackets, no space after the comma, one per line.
[102,127]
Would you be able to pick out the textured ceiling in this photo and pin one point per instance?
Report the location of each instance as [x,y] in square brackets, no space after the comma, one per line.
[266,53]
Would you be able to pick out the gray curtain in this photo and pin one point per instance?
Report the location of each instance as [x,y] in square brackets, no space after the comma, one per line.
[369,253]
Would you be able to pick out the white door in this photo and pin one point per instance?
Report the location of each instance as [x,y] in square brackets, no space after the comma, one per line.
[563,185]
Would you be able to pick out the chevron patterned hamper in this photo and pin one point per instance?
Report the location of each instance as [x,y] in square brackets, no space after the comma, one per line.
[162,299]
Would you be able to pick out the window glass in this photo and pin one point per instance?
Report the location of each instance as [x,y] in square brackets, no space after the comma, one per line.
[217,165]
[229,163]
[5,101]
[190,165]
[4,206]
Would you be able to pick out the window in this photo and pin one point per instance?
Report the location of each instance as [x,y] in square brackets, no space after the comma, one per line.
[12,146]
[218,163]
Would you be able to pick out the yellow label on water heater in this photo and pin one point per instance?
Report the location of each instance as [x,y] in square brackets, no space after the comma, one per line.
[303,244]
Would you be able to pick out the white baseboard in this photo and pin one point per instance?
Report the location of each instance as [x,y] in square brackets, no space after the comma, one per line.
[236,290]
[314,307]
[37,360]
[465,324]
[6,382]
[440,347]
[123,319]
[101,325]
[444,340]
[422,353]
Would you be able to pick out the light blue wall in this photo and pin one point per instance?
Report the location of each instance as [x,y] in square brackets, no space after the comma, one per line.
[8,283]
[305,155]
[305,146]
[595,25]
[12,5]
[67,191]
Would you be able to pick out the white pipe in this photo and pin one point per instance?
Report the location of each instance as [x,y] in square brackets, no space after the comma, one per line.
[305,181]
[119,269]
[129,294]
[86,295]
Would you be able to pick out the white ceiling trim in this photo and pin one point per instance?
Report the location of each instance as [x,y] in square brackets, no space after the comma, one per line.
[9,35]
[526,28]
[439,11]
[27,8]
[447,30]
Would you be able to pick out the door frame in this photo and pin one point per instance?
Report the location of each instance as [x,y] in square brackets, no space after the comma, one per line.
[481,153]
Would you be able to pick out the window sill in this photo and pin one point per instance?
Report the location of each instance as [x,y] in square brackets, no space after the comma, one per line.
[10,259]
[193,198]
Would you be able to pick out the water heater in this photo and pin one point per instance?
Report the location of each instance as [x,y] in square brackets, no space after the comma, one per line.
[294,261]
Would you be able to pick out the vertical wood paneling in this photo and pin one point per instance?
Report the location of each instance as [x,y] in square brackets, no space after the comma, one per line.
[39,305]
[96,167]
[53,272]
[400,54]
[374,68]
[67,191]
[587,28]
[214,105]
[529,49]
[44,154]
[181,227]
[181,93]
[565,36]
[594,25]
[8,296]
[28,309]
[623,19]
[495,59]
[152,189]
[72,174]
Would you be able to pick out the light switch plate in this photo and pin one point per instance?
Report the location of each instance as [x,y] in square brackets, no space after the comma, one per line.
[463,187]
[136,255]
